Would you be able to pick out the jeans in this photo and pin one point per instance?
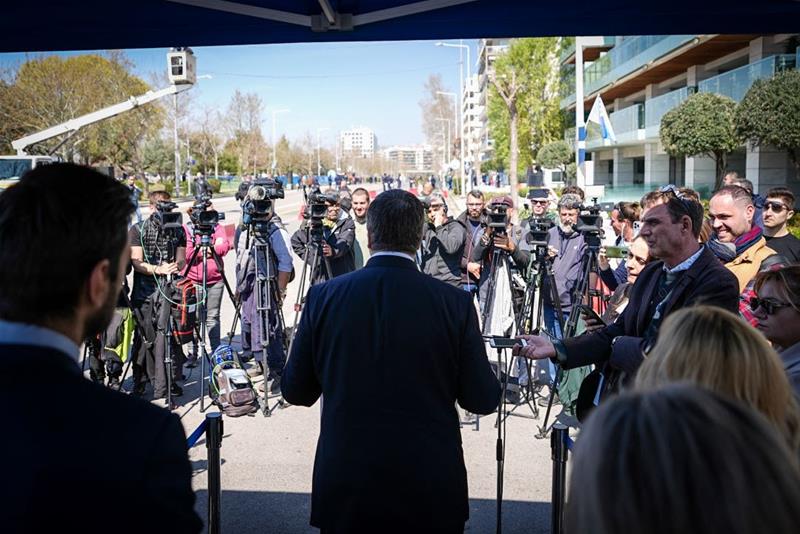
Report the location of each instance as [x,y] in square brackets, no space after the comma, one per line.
[213,305]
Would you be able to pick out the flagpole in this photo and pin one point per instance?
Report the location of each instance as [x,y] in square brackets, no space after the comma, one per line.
[580,126]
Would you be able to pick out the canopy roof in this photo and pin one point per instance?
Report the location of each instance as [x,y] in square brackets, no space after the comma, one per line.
[44,25]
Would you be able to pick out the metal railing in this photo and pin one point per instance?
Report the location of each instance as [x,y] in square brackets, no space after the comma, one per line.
[735,83]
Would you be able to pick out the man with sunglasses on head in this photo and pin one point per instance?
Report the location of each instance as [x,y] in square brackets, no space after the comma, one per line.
[686,273]
[778,211]
[442,243]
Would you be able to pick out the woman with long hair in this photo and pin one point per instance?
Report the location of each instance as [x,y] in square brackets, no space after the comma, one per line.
[716,349]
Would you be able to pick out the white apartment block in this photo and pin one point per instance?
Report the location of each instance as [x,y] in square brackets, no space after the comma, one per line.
[417,158]
[359,140]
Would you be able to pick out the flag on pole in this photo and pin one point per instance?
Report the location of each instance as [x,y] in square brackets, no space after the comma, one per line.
[599,116]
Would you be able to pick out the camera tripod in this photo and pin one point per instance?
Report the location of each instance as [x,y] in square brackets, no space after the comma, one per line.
[204,249]
[582,292]
[313,272]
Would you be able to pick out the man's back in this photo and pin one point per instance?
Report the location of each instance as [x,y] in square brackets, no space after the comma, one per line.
[84,457]
[391,350]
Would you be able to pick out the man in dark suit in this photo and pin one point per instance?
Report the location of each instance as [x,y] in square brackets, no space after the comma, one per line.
[77,454]
[389,455]
[687,274]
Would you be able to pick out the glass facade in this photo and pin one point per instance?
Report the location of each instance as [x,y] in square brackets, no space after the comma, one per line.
[657,107]
[735,83]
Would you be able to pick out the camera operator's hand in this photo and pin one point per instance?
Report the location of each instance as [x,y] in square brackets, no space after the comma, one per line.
[439,218]
[474,269]
[327,251]
[504,242]
[602,260]
[538,348]
[166,268]
[591,322]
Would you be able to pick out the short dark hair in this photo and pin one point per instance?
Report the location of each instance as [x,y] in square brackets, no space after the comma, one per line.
[360,191]
[736,192]
[574,190]
[783,193]
[56,224]
[629,211]
[678,207]
[476,193]
[157,196]
[395,221]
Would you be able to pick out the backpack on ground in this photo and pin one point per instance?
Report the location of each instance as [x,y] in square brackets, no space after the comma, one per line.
[231,384]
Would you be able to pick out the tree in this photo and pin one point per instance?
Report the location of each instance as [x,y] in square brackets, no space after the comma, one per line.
[702,125]
[524,104]
[556,155]
[46,91]
[244,130]
[436,106]
[769,114]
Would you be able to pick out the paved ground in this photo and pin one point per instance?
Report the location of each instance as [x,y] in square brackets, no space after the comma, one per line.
[267,462]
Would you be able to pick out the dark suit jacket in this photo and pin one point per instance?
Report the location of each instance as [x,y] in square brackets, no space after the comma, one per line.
[84,458]
[706,282]
[391,350]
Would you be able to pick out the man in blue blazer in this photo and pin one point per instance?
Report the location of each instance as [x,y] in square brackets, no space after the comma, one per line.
[391,350]
[77,456]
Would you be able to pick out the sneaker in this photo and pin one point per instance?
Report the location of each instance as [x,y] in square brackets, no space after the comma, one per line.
[176,390]
[544,401]
[254,371]
[191,363]
[113,382]
[275,387]
[246,356]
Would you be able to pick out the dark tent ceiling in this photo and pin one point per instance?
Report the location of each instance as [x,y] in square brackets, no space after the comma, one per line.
[39,25]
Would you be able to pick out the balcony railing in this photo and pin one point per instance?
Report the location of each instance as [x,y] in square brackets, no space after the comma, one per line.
[657,107]
[735,83]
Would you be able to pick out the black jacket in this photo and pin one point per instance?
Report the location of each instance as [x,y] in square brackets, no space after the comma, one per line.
[389,455]
[469,246]
[442,250]
[341,238]
[78,455]
[706,282]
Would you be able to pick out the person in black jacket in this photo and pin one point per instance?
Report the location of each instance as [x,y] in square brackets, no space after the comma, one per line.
[442,243]
[474,221]
[339,234]
[389,455]
[63,233]
[686,274]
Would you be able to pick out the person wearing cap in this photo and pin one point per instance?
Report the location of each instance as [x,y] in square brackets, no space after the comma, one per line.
[443,242]
[540,204]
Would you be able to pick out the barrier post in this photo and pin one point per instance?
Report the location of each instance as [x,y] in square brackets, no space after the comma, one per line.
[560,453]
[213,446]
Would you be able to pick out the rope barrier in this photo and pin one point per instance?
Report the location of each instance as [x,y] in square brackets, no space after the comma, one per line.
[195,436]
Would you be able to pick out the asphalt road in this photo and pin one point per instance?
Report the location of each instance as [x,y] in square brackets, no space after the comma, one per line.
[268,461]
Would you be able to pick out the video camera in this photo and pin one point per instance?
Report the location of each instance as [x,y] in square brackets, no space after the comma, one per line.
[316,209]
[204,219]
[258,208]
[590,223]
[538,229]
[497,218]
[165,218]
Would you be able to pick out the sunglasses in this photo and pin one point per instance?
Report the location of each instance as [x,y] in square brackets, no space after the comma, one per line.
[777,207]
[540,201]
[769,306]
[682,199]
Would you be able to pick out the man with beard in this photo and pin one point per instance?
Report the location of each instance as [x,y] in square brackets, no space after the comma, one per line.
[473,220]
[63,233]
[360,203]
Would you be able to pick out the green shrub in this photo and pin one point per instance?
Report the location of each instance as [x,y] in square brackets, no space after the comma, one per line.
[216,185]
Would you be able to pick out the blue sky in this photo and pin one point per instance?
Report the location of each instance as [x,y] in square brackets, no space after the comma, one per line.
[336,85]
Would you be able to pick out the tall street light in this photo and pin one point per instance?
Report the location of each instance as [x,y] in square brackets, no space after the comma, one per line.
[461,103]
[319,167]
[274,142]
[448,139]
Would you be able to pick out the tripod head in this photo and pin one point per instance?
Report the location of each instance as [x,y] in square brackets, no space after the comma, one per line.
[590,225]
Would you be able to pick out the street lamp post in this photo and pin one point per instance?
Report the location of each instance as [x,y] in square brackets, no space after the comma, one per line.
[461,103]
[319,166]
[274,142]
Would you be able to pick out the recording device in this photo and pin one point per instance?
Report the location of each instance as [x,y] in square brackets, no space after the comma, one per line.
[538,229]
[203,219]
[497,218]
[616,252]
[498,342]
[165,218]
[258,207]
[590,223]
[316,209]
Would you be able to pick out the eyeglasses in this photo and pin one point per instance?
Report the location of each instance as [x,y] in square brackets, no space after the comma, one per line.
[777,207]
[769,306]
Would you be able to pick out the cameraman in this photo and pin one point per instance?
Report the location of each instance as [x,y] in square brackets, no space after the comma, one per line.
[339,234]
[443,242]
[474,221]
[511,241]
[215,285]
[150,247]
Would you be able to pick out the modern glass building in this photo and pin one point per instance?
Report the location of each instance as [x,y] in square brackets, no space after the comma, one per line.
[640,78]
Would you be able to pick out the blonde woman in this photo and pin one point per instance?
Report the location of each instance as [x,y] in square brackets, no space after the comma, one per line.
[716,349]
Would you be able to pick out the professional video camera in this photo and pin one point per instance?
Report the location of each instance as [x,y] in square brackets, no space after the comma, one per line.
[590,223]
[316,209]
[258,207]
[497,218]
[538,228]
[204,219]
[165,218]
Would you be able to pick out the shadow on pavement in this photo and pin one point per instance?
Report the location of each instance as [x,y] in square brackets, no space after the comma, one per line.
[288,513]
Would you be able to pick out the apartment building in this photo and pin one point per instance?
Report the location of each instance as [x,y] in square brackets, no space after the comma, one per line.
[641,78]
[416,158]
[488,52]
[360,141]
